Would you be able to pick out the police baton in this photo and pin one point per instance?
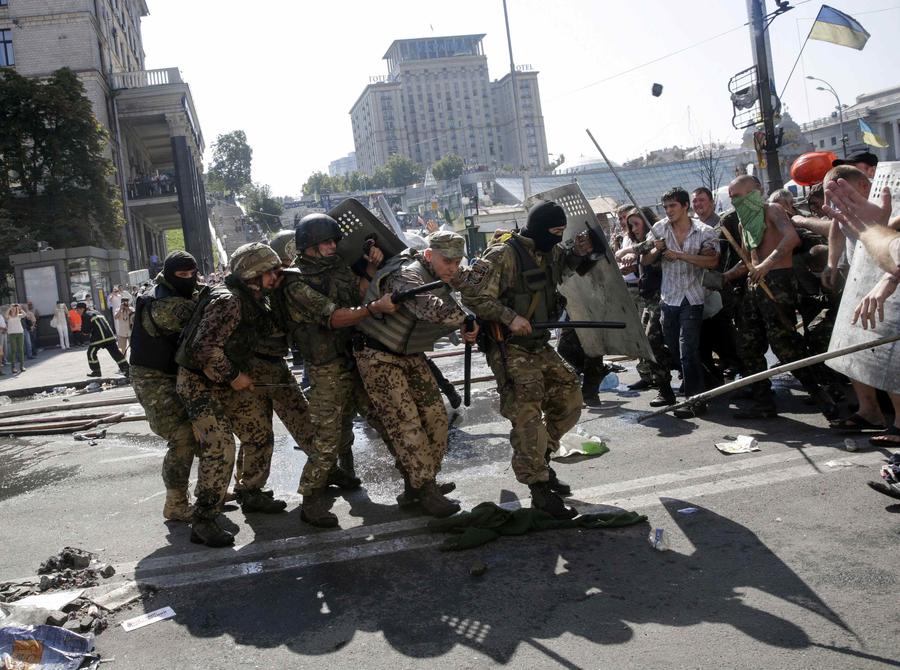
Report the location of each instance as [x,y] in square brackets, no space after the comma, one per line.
[577,324]
[401,296]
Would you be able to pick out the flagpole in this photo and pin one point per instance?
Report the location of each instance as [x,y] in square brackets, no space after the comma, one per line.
[788,80]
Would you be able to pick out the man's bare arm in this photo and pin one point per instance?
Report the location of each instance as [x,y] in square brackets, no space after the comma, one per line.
[789,237]
[813,224]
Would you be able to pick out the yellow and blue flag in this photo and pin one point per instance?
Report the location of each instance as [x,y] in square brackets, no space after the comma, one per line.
[869,137]
[838,28]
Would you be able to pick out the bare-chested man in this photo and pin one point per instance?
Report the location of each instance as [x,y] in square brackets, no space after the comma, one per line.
[770,237]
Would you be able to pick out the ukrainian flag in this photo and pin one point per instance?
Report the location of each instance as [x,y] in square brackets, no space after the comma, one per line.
[869,137]
[838,28]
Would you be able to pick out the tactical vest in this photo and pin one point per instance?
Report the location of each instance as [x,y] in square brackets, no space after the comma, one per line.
[239,345]
[318,344]
[156,352]
[401,332]
[534,295]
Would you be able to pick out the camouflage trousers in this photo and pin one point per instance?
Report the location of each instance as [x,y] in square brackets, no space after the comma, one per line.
[539,394]
[336,395]
[404,393]
[168,418]
[660,371]
[217,413]
[644,366]
[254,460]
[762,323]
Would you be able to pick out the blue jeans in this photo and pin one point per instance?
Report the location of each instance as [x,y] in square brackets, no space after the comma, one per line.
[681,328]
[28,349]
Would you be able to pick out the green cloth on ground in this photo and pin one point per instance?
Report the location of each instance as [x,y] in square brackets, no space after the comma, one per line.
[488,521]
[751,211]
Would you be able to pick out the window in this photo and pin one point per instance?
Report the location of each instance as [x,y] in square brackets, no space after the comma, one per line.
[833,141]
[2,3]
[6,50]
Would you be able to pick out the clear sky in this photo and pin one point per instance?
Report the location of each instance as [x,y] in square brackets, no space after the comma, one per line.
[287,72]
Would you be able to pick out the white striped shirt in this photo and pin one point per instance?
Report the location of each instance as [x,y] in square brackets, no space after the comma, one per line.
[681,279]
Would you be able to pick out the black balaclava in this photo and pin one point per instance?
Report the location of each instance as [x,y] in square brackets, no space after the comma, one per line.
[541,218]
[179,261]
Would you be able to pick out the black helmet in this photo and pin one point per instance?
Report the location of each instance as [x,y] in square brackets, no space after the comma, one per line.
[284,244]
[314,229]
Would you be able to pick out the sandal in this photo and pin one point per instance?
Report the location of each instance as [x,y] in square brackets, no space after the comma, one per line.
[889,438]
[854,424]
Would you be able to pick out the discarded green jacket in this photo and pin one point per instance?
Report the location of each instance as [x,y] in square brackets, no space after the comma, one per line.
[488,521]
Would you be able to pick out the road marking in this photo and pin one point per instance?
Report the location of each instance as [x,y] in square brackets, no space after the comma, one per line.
[184,577]
[150,454]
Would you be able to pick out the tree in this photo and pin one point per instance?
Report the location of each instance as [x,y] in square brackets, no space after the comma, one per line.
[555,164]
[262,209]
[448,167]
[232,157]
[709,170]
[318,182]
[402,171]
[55,178]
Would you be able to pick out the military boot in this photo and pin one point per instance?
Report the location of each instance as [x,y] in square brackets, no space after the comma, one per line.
[255,500]
[177,507]
[316,510]
[346,463]
[337,477]
[557,485]
[208,531]
[434,503]
[543,498]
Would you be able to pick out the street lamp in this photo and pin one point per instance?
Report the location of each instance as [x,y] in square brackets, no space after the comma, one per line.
[840,108]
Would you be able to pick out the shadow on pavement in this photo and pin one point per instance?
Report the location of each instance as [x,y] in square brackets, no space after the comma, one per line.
[595,584]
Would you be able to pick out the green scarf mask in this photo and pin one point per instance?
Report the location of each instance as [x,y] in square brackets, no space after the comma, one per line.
[751,210]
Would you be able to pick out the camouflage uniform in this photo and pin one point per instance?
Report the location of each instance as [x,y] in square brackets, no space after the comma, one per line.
[267,366]
[219,349]
[762,322]
[539,392]
[400,384]
[311,295]
[165,317]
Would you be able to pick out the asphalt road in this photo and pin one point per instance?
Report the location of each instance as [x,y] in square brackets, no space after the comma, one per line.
[789,561]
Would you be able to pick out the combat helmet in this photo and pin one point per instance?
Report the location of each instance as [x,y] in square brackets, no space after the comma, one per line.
[284,244]
[314,229]
[250,261]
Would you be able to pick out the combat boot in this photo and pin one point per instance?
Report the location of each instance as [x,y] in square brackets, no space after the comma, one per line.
[557,485]
[543,498]
[177,507]
[346,463]
[434,503]
[411,496]
[345,482]
[256,501]
[316,511]
[209,532]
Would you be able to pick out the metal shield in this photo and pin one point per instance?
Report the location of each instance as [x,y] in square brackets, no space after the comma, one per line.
[876,367]
[601,294]
[359,225]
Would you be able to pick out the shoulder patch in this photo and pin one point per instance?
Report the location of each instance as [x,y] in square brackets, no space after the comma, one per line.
[479,270]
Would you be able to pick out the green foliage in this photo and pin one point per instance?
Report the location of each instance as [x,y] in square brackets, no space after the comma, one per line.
[448,167]
[55,178]
[398,171]
[232,158]
[262,208]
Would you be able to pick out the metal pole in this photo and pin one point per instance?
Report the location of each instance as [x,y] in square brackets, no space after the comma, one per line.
[526,179]
[619,179]
[840,108]
[756,9]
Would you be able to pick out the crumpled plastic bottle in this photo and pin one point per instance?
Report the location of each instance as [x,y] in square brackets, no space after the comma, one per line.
[610,382]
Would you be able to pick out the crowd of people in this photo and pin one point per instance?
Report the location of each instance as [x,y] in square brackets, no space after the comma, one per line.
[208,362]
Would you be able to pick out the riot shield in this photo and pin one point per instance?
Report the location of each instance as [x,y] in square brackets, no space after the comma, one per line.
[358,226]
[876,367]
[601,294]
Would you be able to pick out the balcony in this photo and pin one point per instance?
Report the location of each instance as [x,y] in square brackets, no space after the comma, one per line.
[144,188]
[145,78]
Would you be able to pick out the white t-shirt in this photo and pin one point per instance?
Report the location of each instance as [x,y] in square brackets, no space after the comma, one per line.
[14,324]
[632,277]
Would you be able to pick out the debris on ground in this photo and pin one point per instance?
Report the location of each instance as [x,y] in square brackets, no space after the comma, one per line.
[90,435]
[850,444]
[67,594]
[659,539]
[478,569]
[46,647]
[148,618]
[688,510]
[742,444]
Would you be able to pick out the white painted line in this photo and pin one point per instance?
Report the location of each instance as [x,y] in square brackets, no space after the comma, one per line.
[385,547]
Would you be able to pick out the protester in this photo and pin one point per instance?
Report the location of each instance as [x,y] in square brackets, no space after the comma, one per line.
[15,333]
[60,322]
[687,247]
[115,300]
[75,324]
[124,319]
[2,343]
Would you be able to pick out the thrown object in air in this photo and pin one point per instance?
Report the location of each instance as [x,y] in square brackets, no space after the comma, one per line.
[810,168]
[656,90]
